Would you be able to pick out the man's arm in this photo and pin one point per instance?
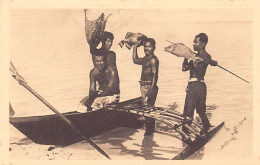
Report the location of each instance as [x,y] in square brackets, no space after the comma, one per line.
[113,82]
[185,65]
[92,88]
[136,59]
[111,58]
[155,67]
[93,48]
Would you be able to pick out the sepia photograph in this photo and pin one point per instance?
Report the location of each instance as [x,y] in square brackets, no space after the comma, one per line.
[131,83]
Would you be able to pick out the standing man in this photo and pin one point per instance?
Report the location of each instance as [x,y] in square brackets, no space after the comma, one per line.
[108,81]
[196,91]
[149,78]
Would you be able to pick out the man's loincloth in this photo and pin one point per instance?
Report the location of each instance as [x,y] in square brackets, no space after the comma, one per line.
[99,102]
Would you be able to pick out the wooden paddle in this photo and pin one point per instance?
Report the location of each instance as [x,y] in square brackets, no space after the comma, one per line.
[66,120]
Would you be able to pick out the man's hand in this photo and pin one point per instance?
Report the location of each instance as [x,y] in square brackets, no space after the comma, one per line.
[138,44]
[213,63]
[99,92]
[19,78]
[150,93]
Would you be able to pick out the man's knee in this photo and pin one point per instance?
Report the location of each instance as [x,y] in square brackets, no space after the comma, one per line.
[201,109]
[189,109]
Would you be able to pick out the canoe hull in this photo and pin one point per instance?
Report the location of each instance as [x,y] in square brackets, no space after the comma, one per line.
[51,130]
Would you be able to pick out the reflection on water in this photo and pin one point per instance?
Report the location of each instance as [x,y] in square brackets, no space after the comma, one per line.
[148,147]
[128,141]
[24,141]
[116,139]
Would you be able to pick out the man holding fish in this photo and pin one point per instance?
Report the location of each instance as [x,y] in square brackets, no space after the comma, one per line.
[196,90]
[149,77]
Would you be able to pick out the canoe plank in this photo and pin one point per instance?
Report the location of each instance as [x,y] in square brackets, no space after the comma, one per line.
[197,144]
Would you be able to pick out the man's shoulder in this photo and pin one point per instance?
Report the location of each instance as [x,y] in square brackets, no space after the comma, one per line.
[111,52]
[154,58]
[205,55]
[110,69]
[93,72]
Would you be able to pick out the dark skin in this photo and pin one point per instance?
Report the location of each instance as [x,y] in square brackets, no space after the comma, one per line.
[150,64]
[110,55]
[106,77]
[200,71]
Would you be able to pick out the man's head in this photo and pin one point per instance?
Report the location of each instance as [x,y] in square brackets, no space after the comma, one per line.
[200,41]
[149,46]
[107,40]
[100,60]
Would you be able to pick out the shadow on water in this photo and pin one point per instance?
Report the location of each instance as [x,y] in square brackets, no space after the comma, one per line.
[148,149]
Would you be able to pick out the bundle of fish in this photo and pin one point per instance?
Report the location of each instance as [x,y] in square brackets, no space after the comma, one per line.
[180,50]
[132,39]
[95,29]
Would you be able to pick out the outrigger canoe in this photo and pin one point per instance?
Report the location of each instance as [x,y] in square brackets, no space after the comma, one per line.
[51,130]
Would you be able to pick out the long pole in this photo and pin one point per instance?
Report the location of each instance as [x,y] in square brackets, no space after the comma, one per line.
[65,119]
[232,73]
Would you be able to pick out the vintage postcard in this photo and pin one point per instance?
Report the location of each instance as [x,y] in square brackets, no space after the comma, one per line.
[130,80]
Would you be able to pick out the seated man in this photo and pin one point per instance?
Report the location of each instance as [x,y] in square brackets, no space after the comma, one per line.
[108,82]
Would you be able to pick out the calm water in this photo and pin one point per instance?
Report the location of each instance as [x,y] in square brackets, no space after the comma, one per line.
[49,50]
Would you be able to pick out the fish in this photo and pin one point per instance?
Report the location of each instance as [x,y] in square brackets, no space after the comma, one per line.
[180,50]
[132,39]
[94,29]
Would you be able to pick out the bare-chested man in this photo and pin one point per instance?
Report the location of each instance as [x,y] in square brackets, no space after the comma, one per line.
[108,82]
[107,41]
[149,77]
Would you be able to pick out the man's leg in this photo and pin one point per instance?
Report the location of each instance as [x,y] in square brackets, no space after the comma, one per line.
[201,106]
[144,90]
[189,105]
[153,95]
[149,122]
